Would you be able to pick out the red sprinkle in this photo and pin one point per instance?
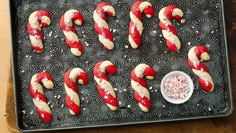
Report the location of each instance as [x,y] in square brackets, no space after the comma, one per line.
[177,87]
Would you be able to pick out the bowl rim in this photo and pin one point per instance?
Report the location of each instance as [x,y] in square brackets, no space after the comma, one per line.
[176,101]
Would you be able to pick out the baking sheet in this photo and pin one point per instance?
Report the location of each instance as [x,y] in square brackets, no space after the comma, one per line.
[204,25]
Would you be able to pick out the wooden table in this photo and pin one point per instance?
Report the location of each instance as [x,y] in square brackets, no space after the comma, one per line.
[4,58]
[226,124]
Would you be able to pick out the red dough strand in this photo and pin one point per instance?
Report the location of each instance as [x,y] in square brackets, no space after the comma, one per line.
[101,26]
[66,24]
[135,25]
[104,87]
[37,19]
[140,86]
[196,54]
[39,99]
[72,98]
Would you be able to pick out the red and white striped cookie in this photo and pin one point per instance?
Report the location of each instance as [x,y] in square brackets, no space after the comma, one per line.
[135,25]
[72,98]
[104,87]
[101,26]
[169,32]
[39,99]
[140,86]
[196,54]
[37,19]
[66,24]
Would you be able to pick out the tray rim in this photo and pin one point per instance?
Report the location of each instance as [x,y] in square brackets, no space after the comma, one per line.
[228,111]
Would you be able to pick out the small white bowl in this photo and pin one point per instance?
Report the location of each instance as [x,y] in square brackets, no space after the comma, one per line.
[172,100]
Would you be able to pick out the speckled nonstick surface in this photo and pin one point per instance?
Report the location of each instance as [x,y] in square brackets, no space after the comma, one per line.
[204,25]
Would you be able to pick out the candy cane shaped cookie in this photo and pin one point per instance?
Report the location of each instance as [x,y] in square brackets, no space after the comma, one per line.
[101,26]
[37,19]
[135,25]
[39,99]
[196,54]
[72,98]
[104,87]
[169,32]
[66,24]
[140,86]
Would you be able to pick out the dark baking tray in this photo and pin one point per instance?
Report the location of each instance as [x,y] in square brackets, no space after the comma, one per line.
[204,25]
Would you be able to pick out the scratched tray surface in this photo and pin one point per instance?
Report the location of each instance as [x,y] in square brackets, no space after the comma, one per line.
[204,25]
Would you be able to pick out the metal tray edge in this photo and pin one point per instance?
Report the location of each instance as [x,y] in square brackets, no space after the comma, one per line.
[230,111]
[13,60]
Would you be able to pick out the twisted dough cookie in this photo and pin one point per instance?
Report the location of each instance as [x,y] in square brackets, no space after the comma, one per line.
[135,25]
[140,86]
[39,99]
[66,24]
[37,19]
[169,32]
[101,26]
[104,87]
[194,55]
[72,98]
